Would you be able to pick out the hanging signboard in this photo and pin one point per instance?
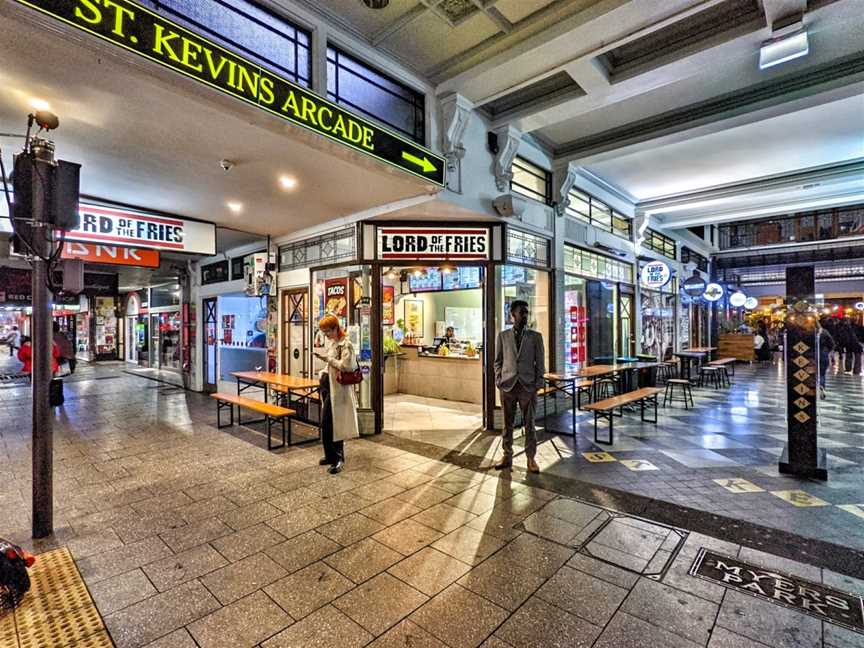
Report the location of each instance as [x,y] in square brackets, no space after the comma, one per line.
[655,274]
[110,225]
[441,243]
[737,299]
[146,33]
[713,292]
[694,286]
[751,303]
[110,254]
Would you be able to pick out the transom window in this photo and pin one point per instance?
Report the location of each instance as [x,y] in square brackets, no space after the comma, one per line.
[248,29]
[594,212]
[367,90]
[660,243]
[531,181]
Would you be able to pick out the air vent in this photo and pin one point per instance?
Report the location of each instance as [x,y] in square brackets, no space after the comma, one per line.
[649,50]
[555,87]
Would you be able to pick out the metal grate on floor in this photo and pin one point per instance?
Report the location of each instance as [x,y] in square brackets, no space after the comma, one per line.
[57,611]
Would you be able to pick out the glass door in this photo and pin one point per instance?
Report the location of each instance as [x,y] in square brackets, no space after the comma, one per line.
[295,332]
[626,339]
[211,345]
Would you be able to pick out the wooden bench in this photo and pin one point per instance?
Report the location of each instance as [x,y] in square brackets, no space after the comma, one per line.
[724,362]
[606,408]
[271,413]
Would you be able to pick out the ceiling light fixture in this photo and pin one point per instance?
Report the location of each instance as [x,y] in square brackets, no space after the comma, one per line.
[788,42]
[39,104]
[376,4]
[235,207]
[287,182]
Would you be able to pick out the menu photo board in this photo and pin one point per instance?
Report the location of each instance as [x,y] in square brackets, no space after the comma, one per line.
[336,297]
[388,306]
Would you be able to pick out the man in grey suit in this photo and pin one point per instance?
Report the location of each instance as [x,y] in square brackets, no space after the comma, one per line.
[519,368]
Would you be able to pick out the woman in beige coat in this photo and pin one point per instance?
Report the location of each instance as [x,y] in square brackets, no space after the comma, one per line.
[338,402]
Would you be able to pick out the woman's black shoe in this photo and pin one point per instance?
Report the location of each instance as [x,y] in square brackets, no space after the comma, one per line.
[323,461]
[336,468]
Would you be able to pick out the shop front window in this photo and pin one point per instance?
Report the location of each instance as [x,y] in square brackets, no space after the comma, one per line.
[169,348]
[601,298]
[346,293]
[517,282]
[658,323]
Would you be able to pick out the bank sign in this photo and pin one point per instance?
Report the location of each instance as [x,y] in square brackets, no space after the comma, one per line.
[140,230]
[148,34]
[433,243]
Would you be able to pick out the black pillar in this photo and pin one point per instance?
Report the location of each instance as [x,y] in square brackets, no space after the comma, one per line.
[801,456]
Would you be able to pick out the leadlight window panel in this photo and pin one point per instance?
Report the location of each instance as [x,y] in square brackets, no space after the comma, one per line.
[531,181]
[369,91]
[526,248]
[244,27]
[585,263]
[326,249]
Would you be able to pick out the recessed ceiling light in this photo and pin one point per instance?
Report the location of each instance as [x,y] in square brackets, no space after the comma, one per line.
[235,207]
[287,182]
[783,48]
[376,4]
[39,104]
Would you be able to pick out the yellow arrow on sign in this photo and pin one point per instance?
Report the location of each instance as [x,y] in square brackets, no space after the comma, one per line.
[423,162]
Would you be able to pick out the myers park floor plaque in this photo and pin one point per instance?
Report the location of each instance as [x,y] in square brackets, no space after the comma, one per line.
[817,600]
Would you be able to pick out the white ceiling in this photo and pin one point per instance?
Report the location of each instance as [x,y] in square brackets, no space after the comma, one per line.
[817,136]
[150,138]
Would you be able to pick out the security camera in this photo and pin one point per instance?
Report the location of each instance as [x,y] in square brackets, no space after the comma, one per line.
[226,165]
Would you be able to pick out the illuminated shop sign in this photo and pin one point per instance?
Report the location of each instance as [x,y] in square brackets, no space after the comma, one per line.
[110,254]
[109,225]
[139,30]
[737,299]
[694,286]
[655,274]
[420,243]
[713,292]
[751,303]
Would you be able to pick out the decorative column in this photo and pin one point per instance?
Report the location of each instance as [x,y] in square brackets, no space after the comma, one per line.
[455,115]
[801,457]
[508,144]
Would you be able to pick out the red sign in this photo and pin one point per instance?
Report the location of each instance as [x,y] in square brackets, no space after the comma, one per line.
[388,305]
[112,254]
[336,297]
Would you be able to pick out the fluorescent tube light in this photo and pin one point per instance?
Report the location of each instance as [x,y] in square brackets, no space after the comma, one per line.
[785,48]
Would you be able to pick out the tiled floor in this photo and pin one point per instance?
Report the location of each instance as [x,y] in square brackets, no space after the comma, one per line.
[191,536]
[418,417]
[719,457]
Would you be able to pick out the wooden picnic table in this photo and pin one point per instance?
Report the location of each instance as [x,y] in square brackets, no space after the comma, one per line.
[304,388]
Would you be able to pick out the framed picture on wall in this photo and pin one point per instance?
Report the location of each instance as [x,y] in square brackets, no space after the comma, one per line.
[414,318]
[388,310]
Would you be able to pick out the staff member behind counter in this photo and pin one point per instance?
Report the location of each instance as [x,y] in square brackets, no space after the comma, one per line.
[448,339]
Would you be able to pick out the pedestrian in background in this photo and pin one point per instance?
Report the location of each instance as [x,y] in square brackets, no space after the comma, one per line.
[338,402]
[826,347]
[64,347]
[13,340]
[520,362]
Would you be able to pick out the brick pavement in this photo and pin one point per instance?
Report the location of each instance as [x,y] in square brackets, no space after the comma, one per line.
[191,536]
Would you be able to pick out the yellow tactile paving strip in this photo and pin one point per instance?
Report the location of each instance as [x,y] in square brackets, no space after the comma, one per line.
[57,611]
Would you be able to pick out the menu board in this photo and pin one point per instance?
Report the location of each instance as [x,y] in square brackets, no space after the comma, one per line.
[462,279]
[512,275]
[429,281]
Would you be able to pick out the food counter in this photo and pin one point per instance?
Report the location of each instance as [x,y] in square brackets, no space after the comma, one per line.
[451,377]
[736,345]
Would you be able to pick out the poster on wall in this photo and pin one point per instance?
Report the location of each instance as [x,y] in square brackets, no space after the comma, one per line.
[388,306]
[414,318]
[336,297]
